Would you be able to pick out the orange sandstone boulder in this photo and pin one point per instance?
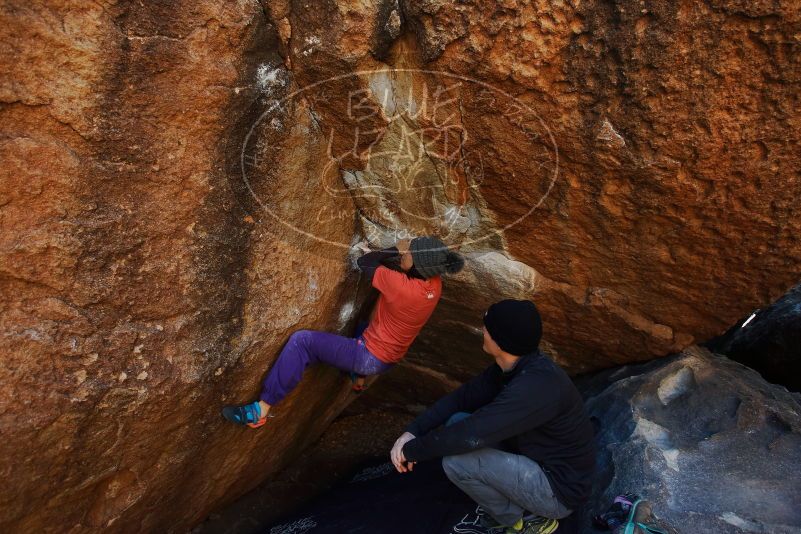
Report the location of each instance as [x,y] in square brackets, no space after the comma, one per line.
[182,183]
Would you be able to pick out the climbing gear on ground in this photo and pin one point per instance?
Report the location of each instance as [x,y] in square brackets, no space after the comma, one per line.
[639,520]
[247,414]
[628,514]
[616,514]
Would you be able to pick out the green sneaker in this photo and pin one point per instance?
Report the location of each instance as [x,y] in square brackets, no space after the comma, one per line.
[534,525]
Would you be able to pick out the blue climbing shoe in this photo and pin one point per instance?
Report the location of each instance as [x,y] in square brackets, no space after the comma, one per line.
[247,414]
[358,382]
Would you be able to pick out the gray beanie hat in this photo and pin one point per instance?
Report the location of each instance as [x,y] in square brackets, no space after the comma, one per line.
[432,257]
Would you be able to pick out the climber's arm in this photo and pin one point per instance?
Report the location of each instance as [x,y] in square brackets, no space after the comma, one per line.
[373,260]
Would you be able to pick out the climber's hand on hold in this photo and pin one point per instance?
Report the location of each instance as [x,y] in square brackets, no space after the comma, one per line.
[398,460]
[403,246]
[362,246]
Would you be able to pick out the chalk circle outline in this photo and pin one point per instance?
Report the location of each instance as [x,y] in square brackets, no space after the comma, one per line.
[278,104]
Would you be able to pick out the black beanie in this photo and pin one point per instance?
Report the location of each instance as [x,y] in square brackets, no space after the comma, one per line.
[515,325]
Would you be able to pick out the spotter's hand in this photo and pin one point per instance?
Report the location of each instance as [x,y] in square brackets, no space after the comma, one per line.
[398,459]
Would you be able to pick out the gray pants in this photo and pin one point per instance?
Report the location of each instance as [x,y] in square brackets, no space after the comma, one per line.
[506,485]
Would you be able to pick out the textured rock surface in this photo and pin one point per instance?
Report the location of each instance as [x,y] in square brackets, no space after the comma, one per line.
[139,293]
[144,282]
[711,444]
[769,342]
[674,210]
[363,434]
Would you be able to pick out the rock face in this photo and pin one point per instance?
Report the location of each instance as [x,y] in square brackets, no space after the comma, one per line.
[708,441]
[769,341]
[181,183]
[140,291]
[636,161]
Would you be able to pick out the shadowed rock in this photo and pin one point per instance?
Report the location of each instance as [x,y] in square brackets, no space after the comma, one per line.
[708,441]
[769,342]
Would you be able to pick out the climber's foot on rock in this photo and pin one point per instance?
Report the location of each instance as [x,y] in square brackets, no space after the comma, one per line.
[253,415]
[358,382]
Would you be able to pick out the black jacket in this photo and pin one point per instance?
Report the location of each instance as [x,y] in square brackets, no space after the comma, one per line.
[533,410]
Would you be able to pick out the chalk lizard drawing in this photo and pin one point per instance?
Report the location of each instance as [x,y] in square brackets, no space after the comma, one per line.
[295,527]
[371,473]
[469,524]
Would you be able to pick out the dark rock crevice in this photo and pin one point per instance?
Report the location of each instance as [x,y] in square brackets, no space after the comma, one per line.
[769,342]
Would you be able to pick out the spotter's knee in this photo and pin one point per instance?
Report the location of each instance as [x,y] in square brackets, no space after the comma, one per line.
[448,464]
[457,466]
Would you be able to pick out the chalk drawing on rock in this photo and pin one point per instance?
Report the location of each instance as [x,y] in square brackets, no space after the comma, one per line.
[270,79]
[399,152]
[295,527]
[371,473]
[469,524]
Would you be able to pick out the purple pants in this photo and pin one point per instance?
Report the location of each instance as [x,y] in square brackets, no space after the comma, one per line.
[308,347]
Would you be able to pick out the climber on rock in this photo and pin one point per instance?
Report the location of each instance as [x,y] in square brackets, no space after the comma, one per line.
[516,438]
[407,277]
